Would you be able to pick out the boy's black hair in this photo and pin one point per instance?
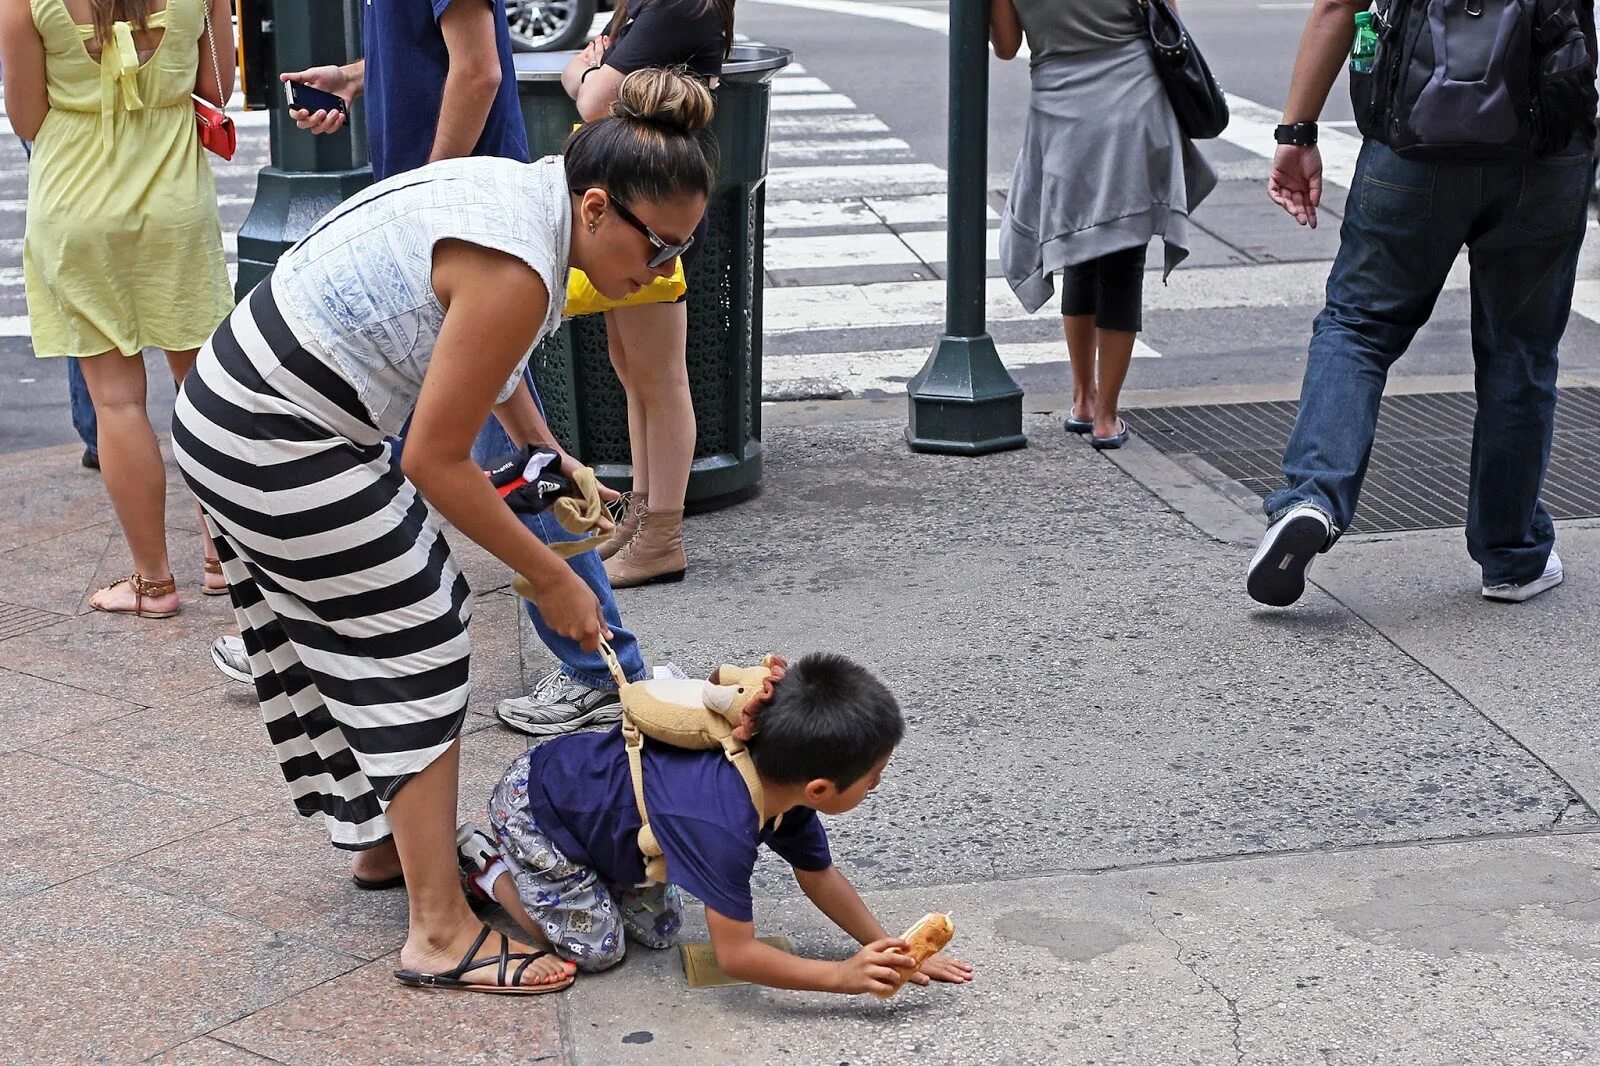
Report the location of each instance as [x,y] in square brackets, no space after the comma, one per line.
[828,718]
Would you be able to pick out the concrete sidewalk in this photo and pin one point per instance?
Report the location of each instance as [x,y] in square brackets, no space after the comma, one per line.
[1171,828]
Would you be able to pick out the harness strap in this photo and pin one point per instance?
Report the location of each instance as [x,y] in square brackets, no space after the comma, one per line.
[655,863]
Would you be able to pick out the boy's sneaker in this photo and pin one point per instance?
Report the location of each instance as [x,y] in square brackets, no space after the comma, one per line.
[476,852]
[228,654]
[557,705]
[1278,571]
[1514,593]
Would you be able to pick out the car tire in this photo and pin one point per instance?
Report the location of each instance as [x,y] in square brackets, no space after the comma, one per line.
[550,25]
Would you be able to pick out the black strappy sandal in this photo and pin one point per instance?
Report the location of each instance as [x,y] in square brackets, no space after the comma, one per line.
[397,881]
[451,979]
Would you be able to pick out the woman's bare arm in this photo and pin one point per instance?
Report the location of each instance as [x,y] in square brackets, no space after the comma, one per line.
[1005,30]
[22,59]
[205,82]
[479,348]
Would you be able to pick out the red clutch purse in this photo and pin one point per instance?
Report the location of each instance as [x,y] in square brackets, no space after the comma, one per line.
[217,133]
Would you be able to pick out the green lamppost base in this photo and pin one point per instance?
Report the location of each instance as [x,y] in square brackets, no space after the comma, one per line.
[286,206]
[963,402]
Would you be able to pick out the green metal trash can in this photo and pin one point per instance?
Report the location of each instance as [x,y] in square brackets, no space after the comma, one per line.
[583,400]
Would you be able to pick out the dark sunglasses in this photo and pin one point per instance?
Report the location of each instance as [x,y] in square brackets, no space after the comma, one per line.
[664,251]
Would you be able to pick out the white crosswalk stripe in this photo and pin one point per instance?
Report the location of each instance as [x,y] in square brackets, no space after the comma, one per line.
[855,253]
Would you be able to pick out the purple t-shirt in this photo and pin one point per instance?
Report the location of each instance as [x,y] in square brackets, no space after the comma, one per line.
[580,794]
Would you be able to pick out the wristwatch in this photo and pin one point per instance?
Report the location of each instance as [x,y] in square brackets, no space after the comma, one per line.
[1301,134]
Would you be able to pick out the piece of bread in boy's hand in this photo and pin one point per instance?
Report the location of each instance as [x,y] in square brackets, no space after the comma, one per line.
[924,940]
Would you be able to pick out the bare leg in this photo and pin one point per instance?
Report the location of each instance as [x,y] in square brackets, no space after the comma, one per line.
[443,927]
[136,480]
[1080,349]
[181,363]
[653,338]
[638,430]
[376,864]
[505,894]
[1116,353]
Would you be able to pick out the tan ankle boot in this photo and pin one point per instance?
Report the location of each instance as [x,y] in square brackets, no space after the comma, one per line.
[654,554]
[634,508]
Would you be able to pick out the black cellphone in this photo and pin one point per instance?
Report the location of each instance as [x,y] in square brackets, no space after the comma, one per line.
[302,97]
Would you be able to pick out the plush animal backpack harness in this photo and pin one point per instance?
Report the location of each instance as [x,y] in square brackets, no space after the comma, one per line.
[699,716]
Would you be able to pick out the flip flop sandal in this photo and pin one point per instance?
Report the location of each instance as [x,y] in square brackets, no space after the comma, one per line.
[141,589]
[451,979]
[213,566]
[1113,442]
[1077,425]
[397,881]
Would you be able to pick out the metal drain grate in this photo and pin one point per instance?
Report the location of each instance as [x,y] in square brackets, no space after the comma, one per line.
[15,619]
[1418,475]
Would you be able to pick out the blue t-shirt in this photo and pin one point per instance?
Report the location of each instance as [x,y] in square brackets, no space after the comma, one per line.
[580,795]
[406,66]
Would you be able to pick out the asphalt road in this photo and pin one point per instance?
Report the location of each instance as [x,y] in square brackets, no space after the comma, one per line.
[901,73]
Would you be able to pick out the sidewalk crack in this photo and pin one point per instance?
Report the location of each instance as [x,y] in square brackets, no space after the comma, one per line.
[1235,1019]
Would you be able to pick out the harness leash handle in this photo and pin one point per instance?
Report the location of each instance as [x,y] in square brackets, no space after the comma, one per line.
[612,664]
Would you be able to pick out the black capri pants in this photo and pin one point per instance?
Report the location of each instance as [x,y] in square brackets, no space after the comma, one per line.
[1111,288]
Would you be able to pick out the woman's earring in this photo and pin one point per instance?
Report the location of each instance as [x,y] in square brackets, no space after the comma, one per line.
[593,226]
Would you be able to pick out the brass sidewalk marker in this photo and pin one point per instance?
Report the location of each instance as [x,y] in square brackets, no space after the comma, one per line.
[700,962]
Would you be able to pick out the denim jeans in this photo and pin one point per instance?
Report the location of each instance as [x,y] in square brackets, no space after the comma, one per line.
[83,419]
[1405,223]
[576,663]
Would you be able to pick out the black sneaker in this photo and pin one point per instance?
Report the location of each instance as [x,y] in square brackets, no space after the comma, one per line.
[91,459]
[1278,571]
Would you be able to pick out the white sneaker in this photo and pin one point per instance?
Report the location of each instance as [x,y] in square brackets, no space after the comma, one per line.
[228,654]
[1512,593]
[1278,571]
[557,705]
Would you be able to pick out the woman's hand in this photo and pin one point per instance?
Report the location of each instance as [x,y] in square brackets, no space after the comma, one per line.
[570,466]
[1295,183]
[570,607]
[330,79]
[595,51]
[580,65]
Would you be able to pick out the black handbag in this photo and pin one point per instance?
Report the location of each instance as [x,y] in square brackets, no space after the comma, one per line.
[1196,97]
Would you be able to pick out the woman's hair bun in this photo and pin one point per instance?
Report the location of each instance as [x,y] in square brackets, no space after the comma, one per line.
[670,97]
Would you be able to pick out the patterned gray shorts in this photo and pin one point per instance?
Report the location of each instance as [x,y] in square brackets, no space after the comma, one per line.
[587,920]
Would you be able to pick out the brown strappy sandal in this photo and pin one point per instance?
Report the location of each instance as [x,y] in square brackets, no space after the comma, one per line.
[213,566]
[141,589]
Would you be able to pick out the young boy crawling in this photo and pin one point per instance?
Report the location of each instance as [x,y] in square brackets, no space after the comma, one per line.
[572,875]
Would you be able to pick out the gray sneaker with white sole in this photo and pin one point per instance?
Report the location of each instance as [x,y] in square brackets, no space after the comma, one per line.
[558,705]
[228,653]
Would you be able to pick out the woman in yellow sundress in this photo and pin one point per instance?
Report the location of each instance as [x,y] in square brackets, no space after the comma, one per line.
[123,249]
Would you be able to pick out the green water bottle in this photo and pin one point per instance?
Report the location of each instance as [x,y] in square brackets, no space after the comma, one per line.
[1365,47]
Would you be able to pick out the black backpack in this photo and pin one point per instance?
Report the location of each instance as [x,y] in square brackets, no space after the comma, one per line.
[1477,81]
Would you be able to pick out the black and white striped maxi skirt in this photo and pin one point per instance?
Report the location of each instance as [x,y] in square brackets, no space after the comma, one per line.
[352,610]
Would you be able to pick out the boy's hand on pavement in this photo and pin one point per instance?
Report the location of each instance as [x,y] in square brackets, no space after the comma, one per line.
[942,967]
[875,968]
[1295,183]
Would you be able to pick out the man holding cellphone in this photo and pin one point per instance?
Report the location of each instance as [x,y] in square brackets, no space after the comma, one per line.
[439,84]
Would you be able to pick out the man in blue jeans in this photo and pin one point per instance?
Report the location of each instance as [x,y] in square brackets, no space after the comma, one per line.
[439,83]
[1405,223]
